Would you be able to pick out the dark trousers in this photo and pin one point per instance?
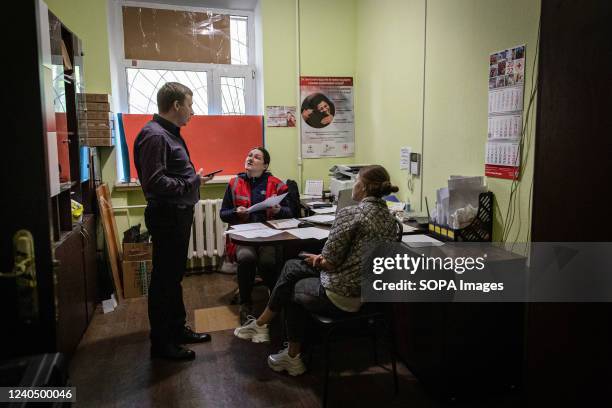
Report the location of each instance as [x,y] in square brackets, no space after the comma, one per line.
[170,227]
[299,291]
[250,261]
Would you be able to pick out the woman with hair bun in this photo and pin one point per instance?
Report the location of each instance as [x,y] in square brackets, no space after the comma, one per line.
[329,283]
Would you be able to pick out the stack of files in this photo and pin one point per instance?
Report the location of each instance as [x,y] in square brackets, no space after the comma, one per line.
[324,210]
[326,219]
[284,224]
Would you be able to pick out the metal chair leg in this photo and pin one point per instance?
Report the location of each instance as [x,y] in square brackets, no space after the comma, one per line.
[326,367]
[393,357]
[375,346]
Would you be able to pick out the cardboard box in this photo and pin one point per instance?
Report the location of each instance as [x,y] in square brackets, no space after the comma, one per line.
[94,106]
[99,133]
[136,278]
[92,97]
[93,115]
[137,251]
[96,124]
[100,141]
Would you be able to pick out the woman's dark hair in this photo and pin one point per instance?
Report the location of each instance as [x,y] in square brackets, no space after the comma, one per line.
[266,154]
[312,100]
[376,181]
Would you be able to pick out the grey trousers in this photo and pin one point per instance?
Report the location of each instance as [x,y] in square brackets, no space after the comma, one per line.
[250,261]
[299,291]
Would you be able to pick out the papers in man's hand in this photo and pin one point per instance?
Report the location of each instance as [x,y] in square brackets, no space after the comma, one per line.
[420,240]
[324,210]
[307,233]
[268,202]
[320,218]
[284,224]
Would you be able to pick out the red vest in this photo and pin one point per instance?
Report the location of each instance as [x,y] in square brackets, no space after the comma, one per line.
[241,192]
[241,196]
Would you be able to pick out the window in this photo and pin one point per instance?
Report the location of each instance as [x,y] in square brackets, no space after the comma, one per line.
[143,85]
[211,52]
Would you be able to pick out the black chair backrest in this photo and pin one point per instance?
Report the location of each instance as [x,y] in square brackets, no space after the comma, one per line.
[400,230]
[293,198]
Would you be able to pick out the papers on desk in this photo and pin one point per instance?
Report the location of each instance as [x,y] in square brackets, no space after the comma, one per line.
[324,210]
[268,202]
[307,233]
[253,230]
[320,218]
[284,224]
[420,240]
[258,233]
[248,226]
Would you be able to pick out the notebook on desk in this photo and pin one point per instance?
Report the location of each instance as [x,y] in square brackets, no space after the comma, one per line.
[345,198]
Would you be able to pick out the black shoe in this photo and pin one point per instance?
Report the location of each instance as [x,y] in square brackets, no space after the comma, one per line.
[172,352]
[246,312]
[189,336]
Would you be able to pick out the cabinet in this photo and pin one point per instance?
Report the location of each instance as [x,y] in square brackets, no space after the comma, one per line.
[45,166]
[75,284]
[464,349]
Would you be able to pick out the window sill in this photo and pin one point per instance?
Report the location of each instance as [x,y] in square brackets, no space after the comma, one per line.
[218,180]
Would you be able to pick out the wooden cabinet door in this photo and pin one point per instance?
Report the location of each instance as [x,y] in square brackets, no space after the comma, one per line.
[70,292]
[90,264]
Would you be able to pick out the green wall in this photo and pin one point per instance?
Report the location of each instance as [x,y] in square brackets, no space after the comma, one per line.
[87,19]
[459,37]
[411,59]
[326,48]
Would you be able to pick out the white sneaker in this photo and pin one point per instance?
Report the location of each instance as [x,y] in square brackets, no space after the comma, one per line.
[251,331]
[283,361]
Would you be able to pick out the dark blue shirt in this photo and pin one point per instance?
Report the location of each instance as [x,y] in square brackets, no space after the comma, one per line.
[258,187]
[164,167]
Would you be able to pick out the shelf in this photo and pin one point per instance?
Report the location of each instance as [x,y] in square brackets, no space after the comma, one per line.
[135,186]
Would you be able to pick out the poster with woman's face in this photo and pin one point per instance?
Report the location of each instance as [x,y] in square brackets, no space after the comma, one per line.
[318,110]
[326,113]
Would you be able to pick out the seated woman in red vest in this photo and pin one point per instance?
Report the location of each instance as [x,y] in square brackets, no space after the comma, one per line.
[246,189]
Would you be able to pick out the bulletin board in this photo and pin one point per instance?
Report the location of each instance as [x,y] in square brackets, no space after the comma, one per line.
[214,142]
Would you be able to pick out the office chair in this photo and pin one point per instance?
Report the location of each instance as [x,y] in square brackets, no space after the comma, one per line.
[369,315]
[368,318]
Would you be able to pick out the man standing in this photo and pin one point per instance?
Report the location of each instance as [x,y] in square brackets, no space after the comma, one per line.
[171,187]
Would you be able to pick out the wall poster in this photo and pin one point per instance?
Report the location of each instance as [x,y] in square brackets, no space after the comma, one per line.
[327,118]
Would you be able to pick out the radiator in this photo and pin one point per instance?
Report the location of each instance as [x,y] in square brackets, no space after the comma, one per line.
[207,241]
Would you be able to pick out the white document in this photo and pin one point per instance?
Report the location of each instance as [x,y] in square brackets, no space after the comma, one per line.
[405,157]
[420,240]
[310,204]
[408,228]
[268,202]
[323,218]
[284,224]
[324,210]
[314,188]
[311,232]
[259,233]
[249,226]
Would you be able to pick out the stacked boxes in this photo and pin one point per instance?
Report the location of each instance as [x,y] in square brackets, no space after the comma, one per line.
[96,125]
[137,266]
